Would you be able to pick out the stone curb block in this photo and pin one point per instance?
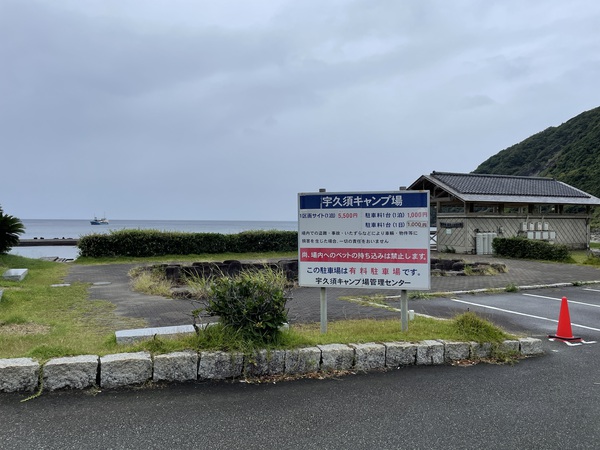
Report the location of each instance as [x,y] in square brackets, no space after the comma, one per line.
[336,357]
[481,350]
[19,374]
[177,366]
[530,346]
[220,365]
[430,352]
[456,351]
[75,372]
[265,362]
[510,346]
[370,356]
[400,354]
[123,369]
[302,360]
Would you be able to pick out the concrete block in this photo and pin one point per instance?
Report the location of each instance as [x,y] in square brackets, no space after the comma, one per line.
[481,350]
[76,372]
[430,352]
[220,365]
[530,346]
[19,374]
[139,334]
[336,357]
[509,346]
[265,362]
[302,360]
[369,356]
[177,366]
[123,369]
[15,274]
[456,351]
[400,354]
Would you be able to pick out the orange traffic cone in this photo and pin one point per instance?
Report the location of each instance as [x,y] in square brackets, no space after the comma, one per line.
[564,331]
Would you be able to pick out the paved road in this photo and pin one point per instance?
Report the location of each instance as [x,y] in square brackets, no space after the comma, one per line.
[549,402]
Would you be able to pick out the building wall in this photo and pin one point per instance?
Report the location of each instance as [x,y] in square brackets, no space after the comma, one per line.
[458,232]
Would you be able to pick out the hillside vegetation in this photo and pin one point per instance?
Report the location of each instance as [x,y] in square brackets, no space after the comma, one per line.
[568,153]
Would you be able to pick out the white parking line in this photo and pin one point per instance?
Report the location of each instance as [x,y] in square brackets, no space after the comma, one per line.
[560,299]
[519,313]
[590,289]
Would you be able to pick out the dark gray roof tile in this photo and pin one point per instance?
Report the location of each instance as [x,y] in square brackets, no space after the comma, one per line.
[505,185]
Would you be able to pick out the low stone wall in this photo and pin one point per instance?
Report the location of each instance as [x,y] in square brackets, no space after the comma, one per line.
[177,272]
[127,369]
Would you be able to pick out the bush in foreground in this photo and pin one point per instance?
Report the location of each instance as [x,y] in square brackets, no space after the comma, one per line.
[251,303]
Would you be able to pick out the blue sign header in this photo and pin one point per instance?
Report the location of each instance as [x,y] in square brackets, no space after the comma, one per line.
[397,199]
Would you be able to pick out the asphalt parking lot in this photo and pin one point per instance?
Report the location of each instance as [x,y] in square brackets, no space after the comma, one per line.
[535,312]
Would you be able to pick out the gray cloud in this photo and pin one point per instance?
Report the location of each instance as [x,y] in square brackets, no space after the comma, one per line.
[225,110]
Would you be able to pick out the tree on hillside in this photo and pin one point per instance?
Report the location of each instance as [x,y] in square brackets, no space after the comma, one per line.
[10,229]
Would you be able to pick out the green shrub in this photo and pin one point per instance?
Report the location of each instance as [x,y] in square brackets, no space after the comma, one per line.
[251,303]
[10,229]
[471,327]
[520,247]
[147,243]
[263,241]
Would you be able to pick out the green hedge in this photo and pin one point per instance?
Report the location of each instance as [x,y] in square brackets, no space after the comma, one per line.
[146,243]
[519,247]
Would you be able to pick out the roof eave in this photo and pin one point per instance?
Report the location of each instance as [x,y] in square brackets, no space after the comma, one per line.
[591,201]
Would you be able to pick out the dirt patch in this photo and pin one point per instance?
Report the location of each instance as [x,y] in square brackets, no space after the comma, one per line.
[22,329]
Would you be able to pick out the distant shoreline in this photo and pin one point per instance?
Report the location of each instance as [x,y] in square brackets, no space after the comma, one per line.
[69,242]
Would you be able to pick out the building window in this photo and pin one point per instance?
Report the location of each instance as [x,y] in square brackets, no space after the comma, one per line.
[515,210]
[574,209]
[481,208]
[544,209]
[451,209]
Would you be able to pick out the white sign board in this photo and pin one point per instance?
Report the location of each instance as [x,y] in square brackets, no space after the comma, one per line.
[374,240]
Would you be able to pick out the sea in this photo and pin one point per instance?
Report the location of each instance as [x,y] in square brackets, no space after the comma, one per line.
[74,229]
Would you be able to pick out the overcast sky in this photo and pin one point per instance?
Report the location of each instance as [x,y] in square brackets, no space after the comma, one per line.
[226,109]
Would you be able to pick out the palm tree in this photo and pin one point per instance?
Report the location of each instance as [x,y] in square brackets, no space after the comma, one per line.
[10,229]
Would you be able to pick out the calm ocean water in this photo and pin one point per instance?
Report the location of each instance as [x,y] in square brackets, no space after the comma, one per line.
[54,228]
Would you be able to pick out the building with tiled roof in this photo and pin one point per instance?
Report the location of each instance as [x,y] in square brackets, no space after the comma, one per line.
[471,209]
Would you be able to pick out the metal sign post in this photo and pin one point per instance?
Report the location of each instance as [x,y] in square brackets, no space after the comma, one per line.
[323,299]
[323,310]
[404,310]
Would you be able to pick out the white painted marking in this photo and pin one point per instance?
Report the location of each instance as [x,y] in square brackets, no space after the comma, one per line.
[560,299]
[590,289]
[520,313]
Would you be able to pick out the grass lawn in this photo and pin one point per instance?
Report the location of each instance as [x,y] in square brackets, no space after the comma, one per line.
[41,321]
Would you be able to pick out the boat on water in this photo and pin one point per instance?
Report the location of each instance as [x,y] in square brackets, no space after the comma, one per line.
[99,221]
